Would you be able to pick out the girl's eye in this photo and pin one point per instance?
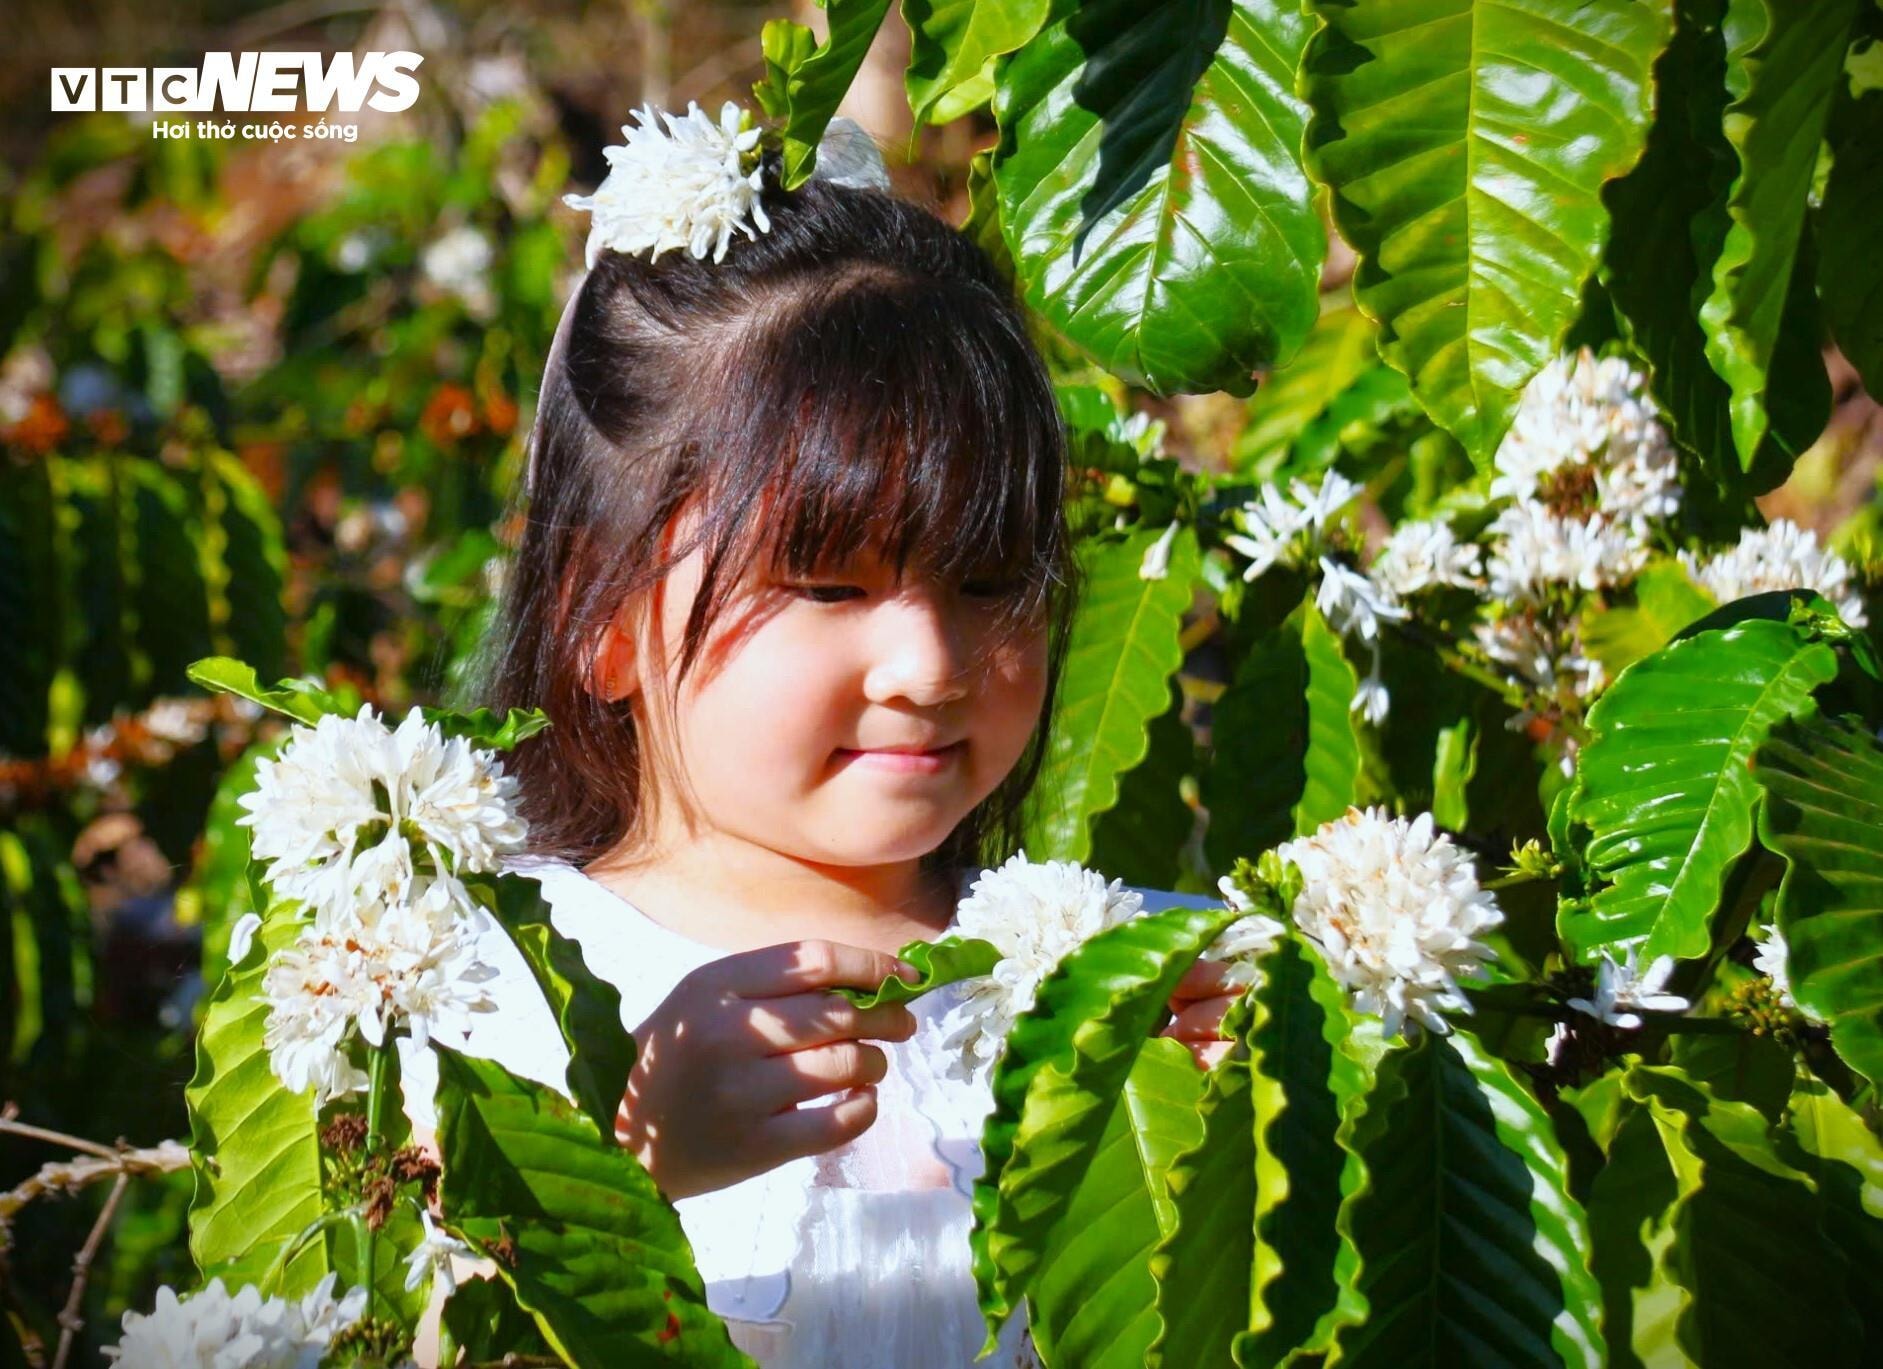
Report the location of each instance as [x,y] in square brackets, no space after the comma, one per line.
[826,594]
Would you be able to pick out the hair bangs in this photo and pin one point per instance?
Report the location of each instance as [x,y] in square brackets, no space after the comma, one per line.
[941,461]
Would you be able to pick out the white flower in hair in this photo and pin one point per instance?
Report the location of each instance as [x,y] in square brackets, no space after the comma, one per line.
[688,187]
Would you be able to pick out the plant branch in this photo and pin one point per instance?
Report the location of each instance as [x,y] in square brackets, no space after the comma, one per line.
[69,1320]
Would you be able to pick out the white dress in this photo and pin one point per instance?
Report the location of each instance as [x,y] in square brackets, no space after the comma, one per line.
[855,1257]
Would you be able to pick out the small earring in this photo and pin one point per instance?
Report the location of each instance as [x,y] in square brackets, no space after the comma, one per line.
[611,684]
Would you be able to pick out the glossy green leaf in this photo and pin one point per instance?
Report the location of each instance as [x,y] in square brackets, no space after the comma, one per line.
[1784,60]
[1669,225]
[1259,745]
[1845,1159]
[803,86]
[255,1146]
[1332,763]
[1472,1250]
[1466,145]
[1664,785]
[481,727]
[1141,839]
[1823,784]
[1125,647]
[583,1237]
[1740,1247]
[1056,1086]
[1201,1263]
[483,1321]
[1151,188]
[951,43]
[1309,1077]
[983,223]
[941,962]
[1092,1300]
[296,699]
[1630,1228]
[1666,601]
[587,1007]
[1337,352]
[1850,269]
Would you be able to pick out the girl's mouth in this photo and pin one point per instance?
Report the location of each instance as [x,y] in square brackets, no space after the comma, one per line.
[906,762]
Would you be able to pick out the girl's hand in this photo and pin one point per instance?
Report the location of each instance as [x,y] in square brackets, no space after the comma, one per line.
[1201,999]
[724,1059]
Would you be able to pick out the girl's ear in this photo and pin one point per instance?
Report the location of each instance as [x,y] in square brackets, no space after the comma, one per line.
[612,674]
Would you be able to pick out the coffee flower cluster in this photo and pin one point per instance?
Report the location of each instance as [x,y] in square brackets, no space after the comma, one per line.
[212,1329]
[373,830]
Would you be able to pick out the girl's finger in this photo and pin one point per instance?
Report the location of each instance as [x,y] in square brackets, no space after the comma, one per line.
[800,966]
[814,1019]
[1204,979]
[782,1081]
[811,1131]
[1208,1053]
[1200,1021]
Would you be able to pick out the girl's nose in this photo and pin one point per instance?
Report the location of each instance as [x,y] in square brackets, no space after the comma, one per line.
[918,648]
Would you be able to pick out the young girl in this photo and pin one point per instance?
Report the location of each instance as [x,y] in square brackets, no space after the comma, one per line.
[794,589]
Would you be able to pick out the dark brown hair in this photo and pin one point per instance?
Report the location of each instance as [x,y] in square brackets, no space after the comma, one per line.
[859,378]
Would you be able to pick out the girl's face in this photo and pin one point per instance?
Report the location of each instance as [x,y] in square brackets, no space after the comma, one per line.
[802,688]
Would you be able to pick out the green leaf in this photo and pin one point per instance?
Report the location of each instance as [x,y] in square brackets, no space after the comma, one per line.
[1141,839]
[1850,270]
[1259,739]
[297,699]
[1845,1159]
[1669,224]
[1201,1263]
[1666,601]
[1125,647]
[173,623]
[587,1007]
[1337,352]
[1453,764]
[481,727]
[254,560]
[1309,1079]
[1332,761]
[1664,785]
[1092,1300]
[951,43]
[983,223]
[1745,1241]
[1471,1247]
[1151,188]
[576,1226]
[483,1321]
[1630,1229]
[804,86]
[1475,220]
[1057,1083]
[1784,60]
[941,962]
[32,605]
[255,1146]
[1823,812]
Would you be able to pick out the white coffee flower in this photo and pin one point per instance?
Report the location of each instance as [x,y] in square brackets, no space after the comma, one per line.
[1782,556]
[1355,606]
[379,965]
[1623,987]
[1424,554]
[212,1330]
[1396,910]
[688,187]
[432,1259]
[1156,562]
[1035,914]
[1289,529]
[458,262]
[338,810]
[1243,942]
[242,936]
[1773,960]
[1540,652]
[1534,550]
[1587,436]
